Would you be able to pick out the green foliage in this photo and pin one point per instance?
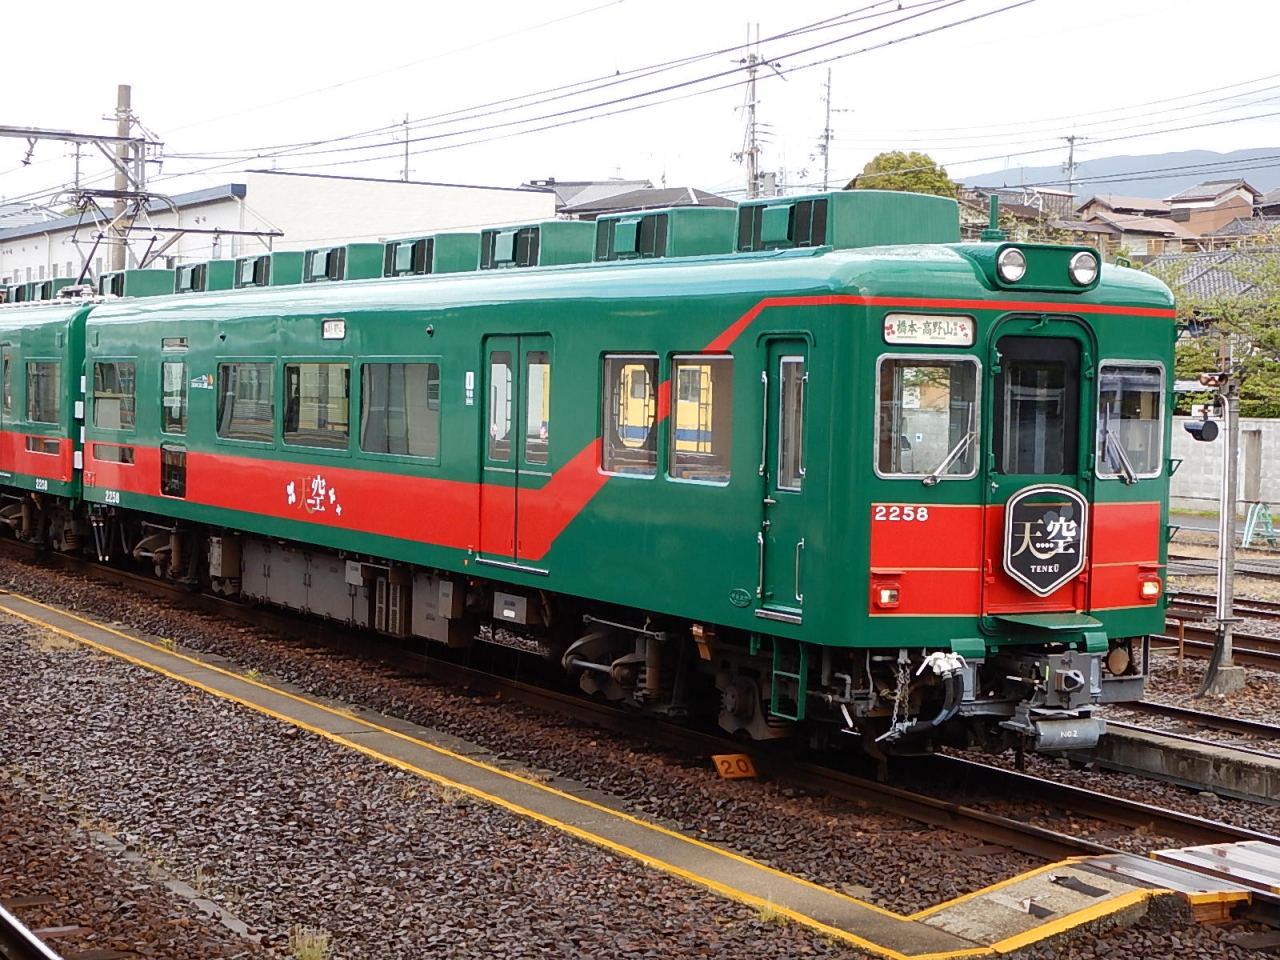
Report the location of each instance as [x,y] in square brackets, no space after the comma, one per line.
[910,172]
[1249,323]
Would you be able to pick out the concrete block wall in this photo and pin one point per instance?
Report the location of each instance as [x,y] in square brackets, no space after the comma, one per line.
[1197,483]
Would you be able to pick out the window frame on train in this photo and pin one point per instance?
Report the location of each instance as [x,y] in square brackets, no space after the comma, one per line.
[891,467]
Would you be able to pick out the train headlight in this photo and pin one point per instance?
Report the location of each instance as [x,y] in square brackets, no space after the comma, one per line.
[1011,264]
[1083,268]
[1151,588]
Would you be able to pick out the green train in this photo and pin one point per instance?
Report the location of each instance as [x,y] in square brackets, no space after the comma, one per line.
[852,476]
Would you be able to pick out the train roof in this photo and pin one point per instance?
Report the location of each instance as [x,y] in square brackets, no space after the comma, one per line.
[923,270]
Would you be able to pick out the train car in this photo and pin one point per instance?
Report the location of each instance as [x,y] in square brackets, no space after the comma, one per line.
[912,491]
[41,405]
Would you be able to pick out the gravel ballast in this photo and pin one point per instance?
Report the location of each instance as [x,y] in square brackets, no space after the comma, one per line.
[283,828]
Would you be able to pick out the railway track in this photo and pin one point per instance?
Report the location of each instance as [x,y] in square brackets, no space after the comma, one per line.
[1197,640]
[1204,604]
[1199,719]
[1186,565]
[19,943]
[945,774]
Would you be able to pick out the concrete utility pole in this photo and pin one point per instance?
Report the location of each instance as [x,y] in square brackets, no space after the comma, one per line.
[1222,676]
[1069,168]
[752,148]
[826,138]
[120,228]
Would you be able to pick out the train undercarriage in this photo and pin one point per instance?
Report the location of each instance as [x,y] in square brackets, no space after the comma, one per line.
[757,686]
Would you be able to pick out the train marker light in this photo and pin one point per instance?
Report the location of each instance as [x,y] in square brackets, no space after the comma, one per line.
[1083,268]
[1011,264]
[887,597]
[1151,588]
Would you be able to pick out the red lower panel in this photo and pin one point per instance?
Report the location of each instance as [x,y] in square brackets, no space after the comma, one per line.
[423,509]
[16,458]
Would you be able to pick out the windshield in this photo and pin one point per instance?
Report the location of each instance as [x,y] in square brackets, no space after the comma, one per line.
[927,418]
[1130,401]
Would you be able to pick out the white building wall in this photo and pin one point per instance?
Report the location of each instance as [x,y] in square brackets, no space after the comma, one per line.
[1198,482]
[311,211]
[325,211]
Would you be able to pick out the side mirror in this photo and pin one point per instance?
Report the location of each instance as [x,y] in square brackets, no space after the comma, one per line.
[1205,430]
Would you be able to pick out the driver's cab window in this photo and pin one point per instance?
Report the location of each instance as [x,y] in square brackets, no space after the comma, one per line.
[1037,406]
[927,421]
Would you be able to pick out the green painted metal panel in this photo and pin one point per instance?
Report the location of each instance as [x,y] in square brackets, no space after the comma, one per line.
[136,283]
[653,542]
[971,648]
[847,219]
[670,232]
[1051,621]
[455,252]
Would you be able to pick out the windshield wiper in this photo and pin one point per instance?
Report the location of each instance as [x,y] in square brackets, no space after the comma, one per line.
[952,456]
[1115,447]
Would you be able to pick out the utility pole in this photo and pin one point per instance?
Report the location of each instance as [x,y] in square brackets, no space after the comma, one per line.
[405,178]
[752,148]
[1222,676]
[124,123]
[1069,168]
[826,138]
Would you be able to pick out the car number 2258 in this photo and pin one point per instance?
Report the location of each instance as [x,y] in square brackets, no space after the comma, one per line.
[895,512]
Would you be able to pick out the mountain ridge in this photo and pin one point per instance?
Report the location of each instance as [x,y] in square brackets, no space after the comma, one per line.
[1155,176]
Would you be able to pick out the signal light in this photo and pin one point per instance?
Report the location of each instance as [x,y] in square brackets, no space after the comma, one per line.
[1204,430]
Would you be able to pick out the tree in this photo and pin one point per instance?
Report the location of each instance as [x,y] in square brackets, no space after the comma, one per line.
[1246,315]
[911,172]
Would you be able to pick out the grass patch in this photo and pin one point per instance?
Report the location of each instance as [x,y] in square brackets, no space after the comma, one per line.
[309,943]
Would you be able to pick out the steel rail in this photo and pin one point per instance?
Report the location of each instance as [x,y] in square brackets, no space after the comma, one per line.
[1208,721]
[921,807]
[19,943]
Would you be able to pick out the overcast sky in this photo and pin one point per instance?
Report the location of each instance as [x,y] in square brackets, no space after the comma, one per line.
[242,85]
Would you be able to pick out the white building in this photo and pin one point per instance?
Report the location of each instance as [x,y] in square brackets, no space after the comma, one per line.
[292,211]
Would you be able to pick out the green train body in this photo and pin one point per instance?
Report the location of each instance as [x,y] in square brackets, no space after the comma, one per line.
[883,490]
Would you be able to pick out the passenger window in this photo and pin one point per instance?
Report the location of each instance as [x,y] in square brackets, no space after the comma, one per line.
[928,418]
[317,405]
[173,403]
[1130,402]
[791,423]
[42,391]
[702,419]
[400,409]
[537,431]
[246,401]
[630,443]
[113,394]
[500,397]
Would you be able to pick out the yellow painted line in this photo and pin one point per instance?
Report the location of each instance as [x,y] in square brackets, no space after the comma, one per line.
[929,911]
[1072,920]
[594,839]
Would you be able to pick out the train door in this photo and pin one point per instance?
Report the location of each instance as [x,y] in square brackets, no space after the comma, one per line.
[6,407]
[517,441]
[781,538]
[1037,467]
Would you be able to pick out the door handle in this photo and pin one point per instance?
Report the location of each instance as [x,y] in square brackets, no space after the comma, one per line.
[769,501]
[760,578]
[799,595]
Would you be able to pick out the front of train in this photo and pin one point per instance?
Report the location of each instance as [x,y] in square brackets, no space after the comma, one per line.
[1018,514]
